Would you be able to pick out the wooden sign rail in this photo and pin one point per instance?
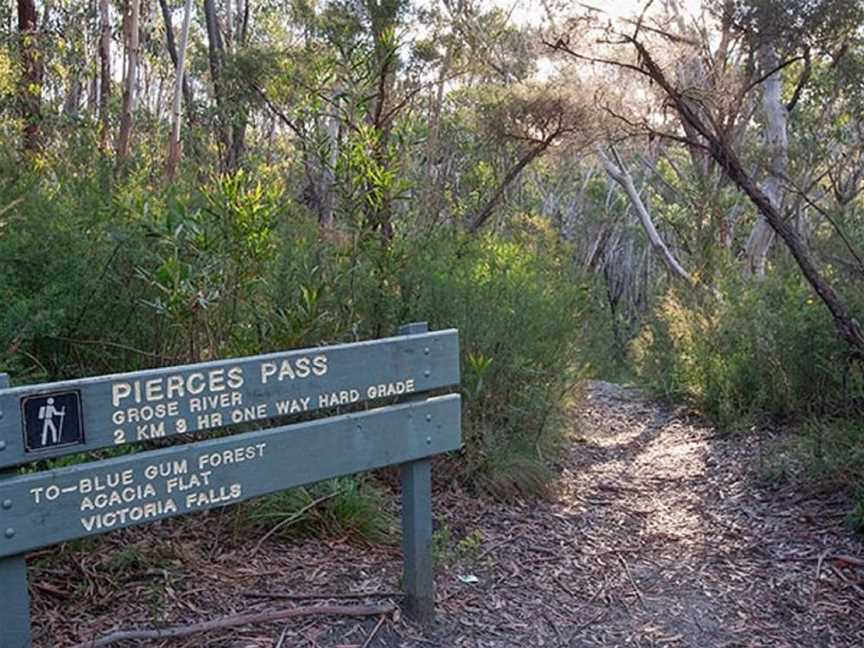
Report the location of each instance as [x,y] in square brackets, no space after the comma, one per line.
[45,421]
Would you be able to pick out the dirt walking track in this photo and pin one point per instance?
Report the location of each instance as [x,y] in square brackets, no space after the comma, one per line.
[661,534]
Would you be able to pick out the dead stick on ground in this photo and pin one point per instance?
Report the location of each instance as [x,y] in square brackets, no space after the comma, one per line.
[818,573]
[498,545]
[851,560]
[323,595]
[632,582]
[234,621]
[842,577]
[584,625]
[294,517]
[564,587]
[375,630]
[282,637]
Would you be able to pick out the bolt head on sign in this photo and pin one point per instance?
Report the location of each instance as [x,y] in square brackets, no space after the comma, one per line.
[52,420]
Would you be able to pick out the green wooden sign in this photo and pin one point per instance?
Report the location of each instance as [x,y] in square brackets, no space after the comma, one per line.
[53,506]
[51,420]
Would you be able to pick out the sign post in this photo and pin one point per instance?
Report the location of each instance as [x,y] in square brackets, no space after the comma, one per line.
[15,611]
[401,424]
[416,478]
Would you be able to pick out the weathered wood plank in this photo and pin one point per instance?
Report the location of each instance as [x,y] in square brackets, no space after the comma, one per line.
[62,504]
[15,609]
[56,419]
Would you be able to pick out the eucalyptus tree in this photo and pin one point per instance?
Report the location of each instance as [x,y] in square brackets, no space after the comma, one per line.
[181,87]
[771,35]
[132,37]
[30,85]
[104,73]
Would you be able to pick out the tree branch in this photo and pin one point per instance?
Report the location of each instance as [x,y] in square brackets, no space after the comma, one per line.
[802,81]
[618,172]
[234,621]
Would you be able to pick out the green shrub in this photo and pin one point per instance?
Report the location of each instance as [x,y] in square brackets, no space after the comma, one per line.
[100,274]
[764,348]
[517,305]
[348,507]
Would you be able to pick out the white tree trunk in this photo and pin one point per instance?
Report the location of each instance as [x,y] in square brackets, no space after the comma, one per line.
[174,143]
[777,144]
[619,174]
[129,94]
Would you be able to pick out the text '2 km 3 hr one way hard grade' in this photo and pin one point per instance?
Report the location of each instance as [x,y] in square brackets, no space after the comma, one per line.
[152,408]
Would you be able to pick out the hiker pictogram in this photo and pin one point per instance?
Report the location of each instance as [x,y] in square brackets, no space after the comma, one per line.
[52,420]
[49,414]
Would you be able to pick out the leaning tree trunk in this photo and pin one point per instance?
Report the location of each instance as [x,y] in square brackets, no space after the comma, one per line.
[846,324]
[30,88]
[777,142]
[124,139]
[485,213]
[179,84]
[619,174]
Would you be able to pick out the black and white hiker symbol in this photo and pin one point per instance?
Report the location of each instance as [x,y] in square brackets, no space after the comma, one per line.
[47,413]
[52,420]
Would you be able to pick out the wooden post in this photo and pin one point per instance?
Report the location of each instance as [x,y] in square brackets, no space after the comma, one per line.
[417,528]
[15,610]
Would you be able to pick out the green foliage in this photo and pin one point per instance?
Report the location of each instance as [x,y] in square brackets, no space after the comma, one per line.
[447,552]
[102,274]
[515,302]
[347,507]
[208,264]
[764,348]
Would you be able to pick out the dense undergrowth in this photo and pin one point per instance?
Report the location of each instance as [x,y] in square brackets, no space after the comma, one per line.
[99,275]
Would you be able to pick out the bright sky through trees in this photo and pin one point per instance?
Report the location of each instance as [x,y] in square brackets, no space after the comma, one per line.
[534,11]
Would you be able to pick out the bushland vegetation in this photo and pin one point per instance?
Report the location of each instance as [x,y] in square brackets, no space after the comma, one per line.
[655,193]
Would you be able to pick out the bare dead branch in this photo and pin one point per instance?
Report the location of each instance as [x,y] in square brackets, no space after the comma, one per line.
[561,45]
[174,632]
[802,81]
[769,74]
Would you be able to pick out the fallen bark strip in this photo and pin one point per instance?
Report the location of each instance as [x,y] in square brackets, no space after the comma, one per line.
[236,620]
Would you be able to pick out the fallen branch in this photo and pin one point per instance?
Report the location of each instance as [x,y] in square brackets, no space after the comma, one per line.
[234,621]
[849,560]
[851,584]
[498,545]
[374,632]
[819,562]
[284,634]
[632,581]
[584,625]
[324,595]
